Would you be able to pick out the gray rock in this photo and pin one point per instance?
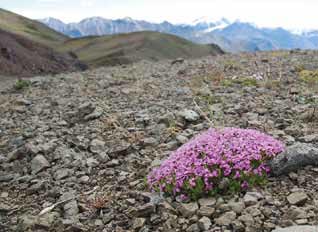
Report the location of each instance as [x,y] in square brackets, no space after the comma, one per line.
[296,213]
[297,198]
[193,228]
[97,146]
[226,219]
[247,219]
[298,229]
[28,222]
[207,202]
[39,163]
[83,179]
[150,142]
[190,115]
[206,211]
[91,162]
[188,209]
[145,210]
[181,139]
[4,207]
[95,115]
[295,157]
[309,138]
[251,198]
[301,221]
[86,108]
[7,177]
[177,61]
[237,207]
[204,223]
[71,209]
[62,173]
[138,223]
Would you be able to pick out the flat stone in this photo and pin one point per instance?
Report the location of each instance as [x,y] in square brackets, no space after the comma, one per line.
[251,198]
[237,207]
[297,198]
[145,210]
[188,209]
[150,142]
[181,139]
[302,221]
[298,229]
[296,213]
[62,173]
[207,202]
[226,219]
[313,138]
[84,179]
[7,178]
[39,163]
[190,115]
[206,211]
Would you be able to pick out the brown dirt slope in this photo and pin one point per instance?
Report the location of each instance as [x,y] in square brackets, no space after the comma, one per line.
[20,56]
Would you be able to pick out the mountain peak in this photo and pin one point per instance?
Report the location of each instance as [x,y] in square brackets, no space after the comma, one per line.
[50,20]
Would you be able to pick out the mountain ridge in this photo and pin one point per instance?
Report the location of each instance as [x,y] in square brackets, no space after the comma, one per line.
[233,36]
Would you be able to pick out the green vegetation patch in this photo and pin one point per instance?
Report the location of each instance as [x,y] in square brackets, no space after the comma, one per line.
[21,84]
[310,77]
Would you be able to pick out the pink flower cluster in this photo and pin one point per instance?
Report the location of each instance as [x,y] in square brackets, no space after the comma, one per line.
[230,152]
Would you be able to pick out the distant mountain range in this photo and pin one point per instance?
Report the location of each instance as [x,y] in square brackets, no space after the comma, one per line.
[231,36]
[28,47]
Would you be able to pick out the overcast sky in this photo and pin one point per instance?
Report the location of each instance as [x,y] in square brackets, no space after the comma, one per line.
[269,13]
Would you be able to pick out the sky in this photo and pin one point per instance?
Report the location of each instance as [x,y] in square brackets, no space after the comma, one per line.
[292,14]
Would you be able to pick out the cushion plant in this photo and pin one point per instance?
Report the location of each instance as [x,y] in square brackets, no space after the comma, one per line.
[198,167]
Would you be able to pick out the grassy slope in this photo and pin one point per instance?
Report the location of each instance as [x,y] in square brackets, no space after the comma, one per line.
[127,48]
[31,29]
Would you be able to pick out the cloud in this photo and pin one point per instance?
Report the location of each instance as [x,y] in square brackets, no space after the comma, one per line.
[49,1]
[87,3]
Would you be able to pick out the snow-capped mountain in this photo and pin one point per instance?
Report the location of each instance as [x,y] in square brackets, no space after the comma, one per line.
[208,24]
[231,36]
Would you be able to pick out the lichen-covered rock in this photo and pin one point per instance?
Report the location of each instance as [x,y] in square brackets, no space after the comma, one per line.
[294,158]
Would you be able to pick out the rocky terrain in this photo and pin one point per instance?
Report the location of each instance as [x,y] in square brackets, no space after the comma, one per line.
[75,149]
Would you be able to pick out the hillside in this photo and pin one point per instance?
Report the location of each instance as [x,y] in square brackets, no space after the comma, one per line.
[30,29]
[20,56]
[132,47]
[79,146]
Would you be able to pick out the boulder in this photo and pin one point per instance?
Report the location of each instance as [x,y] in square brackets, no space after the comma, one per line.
[295,157]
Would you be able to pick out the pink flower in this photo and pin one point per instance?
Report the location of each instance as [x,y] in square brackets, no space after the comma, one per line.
[231,152]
